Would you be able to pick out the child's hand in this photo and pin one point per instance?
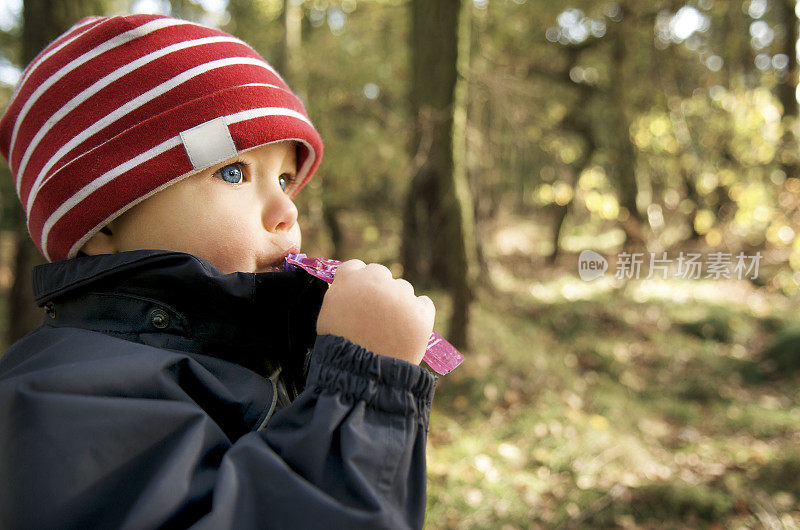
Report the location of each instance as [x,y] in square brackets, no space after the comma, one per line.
[365,305]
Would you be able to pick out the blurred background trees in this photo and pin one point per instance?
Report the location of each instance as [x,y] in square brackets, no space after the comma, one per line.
[437,214]
[42,21]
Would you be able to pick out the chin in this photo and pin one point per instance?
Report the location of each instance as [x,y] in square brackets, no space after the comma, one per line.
[270,268]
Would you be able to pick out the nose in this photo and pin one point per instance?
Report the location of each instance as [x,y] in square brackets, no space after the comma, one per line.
[279,212]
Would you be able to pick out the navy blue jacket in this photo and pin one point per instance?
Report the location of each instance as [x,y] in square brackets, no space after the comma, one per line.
[144,401]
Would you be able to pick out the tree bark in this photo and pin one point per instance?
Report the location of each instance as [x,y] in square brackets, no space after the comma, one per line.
[330,214]
[622,156]
[735,47]
[576,122]
[438,246]
[289,55]
[692,195]
[24,315]
[787,88]
[787,85]
[559,216]
[43,21]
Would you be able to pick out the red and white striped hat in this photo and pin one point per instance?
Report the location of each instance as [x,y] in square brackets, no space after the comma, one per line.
[118,108]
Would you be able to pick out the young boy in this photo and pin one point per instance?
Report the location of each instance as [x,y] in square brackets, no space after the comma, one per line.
[157,160]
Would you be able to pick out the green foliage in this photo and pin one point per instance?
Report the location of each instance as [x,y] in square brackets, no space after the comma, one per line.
[781,474]
[360,107]
[682,500]
[784,351]
[714,327]
[257,23]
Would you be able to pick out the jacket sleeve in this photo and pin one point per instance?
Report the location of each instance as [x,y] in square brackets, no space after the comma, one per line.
[97,432]
[349,452]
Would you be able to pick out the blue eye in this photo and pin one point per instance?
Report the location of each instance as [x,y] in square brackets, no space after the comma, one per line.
[286,180]
[231,173]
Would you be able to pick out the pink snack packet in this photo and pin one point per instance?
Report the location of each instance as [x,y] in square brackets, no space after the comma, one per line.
[440,355]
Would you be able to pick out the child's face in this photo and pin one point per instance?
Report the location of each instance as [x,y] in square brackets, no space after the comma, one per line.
[238,214]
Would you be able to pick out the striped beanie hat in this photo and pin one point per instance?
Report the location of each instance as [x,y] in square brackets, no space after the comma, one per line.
[118,108]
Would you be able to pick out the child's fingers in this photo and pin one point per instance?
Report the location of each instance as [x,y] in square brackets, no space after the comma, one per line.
[427,307]
[368,307]
[379,270]
[405,285]
[350,266]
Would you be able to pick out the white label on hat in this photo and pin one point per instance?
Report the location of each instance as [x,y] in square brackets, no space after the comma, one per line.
[208,143]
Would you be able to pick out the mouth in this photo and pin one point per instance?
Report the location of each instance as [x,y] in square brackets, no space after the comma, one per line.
[277,265]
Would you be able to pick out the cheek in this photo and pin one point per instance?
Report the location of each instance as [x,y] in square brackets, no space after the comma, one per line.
[227,243]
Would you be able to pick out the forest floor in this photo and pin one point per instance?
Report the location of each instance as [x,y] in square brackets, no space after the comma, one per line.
[638,404]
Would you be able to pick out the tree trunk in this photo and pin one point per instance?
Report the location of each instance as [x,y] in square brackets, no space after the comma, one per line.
[576,122]
[787,89]
[559,216]
[330,214]
[584,129]
[438,246]
[692,195]
[24,315]
[289,56]
[735,48]
[622,156]
[43,21]
[787,85]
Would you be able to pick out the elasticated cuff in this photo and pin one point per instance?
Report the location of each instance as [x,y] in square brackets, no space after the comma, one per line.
[339,366]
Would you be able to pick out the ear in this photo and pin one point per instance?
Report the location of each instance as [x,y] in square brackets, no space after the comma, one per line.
[100,243]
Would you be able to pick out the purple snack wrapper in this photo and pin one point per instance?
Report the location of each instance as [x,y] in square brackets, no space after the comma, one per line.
[440,355]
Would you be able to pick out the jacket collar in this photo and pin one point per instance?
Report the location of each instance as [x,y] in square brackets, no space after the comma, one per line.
[179,301]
